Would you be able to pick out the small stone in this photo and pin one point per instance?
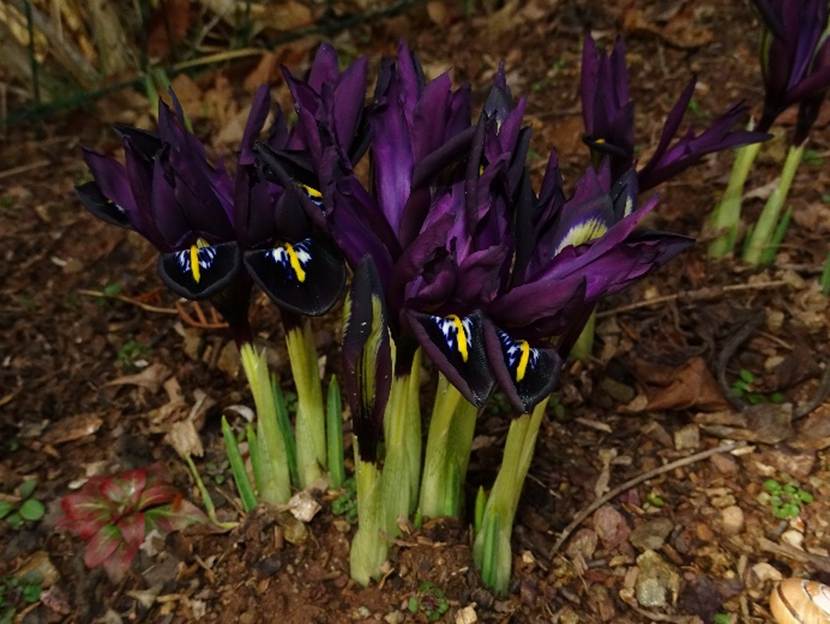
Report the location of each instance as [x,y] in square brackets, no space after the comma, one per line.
[620,392]
[765,572]
[467,615]
[651,535]
[687,438]
[303,506]
[583,543]
[719,502]
[656,580]
[725,464]
[269,566]
[610,525]
[601,603]
[793,538]
[732,519]
[363,612]
[395,617]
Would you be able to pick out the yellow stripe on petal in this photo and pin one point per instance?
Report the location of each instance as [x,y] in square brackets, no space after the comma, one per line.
[312,192]
[460,337]
[524,358]
[582,233]
[294,261]
[195,269]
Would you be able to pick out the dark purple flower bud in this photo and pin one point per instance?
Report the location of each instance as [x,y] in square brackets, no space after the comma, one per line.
[794,66]
[367,357]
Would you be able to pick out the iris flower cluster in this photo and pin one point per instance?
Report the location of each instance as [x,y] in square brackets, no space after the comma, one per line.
[795,67]
[456,264]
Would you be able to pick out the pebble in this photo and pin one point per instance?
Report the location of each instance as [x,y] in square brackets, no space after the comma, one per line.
[395,617]
[719,502]
[687,438]
[732,519]
[656,580]
[620,392]
[467,615]
[793,538]
[610,526]
[725,464]
[651,535]
[583,543]
[765,572]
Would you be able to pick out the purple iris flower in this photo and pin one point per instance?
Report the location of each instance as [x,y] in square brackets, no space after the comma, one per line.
[524,276]
[420,133]
[795,60]
[608,114]
[207,224]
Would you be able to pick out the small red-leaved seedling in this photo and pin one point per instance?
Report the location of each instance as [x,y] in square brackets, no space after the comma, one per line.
[112,515]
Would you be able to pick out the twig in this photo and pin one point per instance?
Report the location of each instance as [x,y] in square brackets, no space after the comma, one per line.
[38,164]
[729,349]
[702,294]
[791,552]
[144,306]
[685,461]
[822,393]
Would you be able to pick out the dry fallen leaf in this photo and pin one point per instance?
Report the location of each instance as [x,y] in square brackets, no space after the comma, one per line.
[184,438]
[150,378]
[768,423]
[72,428]
[689,385]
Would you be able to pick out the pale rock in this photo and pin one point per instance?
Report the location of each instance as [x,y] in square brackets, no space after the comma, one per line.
[765,572]
[583,543]
[724,464]
[657,581]
[467,615]
[732,520]
[687,438]
[793,538]
[651,535]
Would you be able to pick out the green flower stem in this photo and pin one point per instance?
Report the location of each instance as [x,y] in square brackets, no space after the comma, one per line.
[370,543]
[402,434]
[725,218]
[449,441]
[207,501]
[584,345]
[310,424]
[240,474]
[334,435]
[491,549]
[273,483]
[765,227]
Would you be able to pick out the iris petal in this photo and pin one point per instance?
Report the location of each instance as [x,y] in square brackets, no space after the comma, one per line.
[526,374]
[93,200]
[456,345]
[305,277]
[200,270]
